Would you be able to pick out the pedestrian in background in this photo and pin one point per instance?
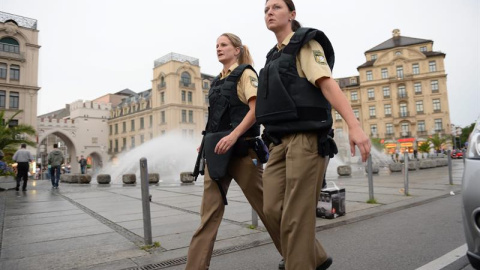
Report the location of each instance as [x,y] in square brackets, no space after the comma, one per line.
[295,95]
[55,160]
[23,157]
[83,164]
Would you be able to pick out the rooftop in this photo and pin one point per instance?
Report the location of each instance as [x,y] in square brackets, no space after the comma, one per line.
[398,41]
[176,57]
[19,20]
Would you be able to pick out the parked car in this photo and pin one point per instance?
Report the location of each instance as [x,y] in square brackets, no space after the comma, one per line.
[457,154]
[471,196]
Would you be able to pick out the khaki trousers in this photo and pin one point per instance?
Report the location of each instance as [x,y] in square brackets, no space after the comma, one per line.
[292,182]
[249,178]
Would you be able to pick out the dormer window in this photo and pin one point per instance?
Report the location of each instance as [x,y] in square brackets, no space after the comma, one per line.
[373,57]
[10,45]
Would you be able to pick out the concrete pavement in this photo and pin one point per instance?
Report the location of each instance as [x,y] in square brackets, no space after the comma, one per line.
[100,226]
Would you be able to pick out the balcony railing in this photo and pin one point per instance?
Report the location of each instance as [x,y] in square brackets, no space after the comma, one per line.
[405,134]
[388,115]
[186,85]
[402,95]
[14,56]
[404,114]
[422,133]
[162,85]
[437,111]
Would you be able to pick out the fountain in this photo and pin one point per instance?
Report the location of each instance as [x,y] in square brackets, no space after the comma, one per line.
[167,155]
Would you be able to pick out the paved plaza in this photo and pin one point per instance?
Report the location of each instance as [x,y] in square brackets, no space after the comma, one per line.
[93,226]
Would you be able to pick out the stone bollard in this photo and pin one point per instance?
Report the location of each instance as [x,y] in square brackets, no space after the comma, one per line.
[375,169]
[186,177]
[412,165]
[129,179]
[68,178]
[104,179]
[153,178]
[83,178]
[344,170]
[395,167]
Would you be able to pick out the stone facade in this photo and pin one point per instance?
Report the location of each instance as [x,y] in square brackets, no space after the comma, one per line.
[400,95]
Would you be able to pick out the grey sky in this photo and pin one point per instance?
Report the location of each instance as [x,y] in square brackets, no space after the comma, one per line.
[94,47]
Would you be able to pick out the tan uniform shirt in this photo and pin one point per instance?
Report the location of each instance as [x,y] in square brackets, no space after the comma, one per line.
[311,61]
[247,84]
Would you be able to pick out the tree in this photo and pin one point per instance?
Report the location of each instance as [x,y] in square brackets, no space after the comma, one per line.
[437,141]
[465,133]
[12,136]
[424,147]
[377,143]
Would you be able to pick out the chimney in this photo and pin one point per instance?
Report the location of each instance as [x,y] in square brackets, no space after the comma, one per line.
[396,33]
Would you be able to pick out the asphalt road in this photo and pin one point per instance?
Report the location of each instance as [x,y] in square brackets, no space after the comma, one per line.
[411,238]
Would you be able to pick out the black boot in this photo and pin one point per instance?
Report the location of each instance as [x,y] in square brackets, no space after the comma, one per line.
[325,265]
[281,265]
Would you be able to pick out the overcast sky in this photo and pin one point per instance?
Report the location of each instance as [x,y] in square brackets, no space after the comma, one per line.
[93,47]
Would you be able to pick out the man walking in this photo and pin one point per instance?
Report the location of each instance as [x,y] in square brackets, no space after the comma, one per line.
[23,157]
[55,160]
[83,164]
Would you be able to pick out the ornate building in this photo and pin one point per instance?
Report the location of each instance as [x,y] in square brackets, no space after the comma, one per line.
[19,51]
[400,95]
[177,101]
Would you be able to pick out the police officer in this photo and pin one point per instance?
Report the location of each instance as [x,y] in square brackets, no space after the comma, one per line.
[295,94]
[239,81]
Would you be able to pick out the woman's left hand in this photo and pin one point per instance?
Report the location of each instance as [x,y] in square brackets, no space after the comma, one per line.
[225,144]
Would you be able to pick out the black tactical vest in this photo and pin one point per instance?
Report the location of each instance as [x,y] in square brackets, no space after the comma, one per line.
[226,110]
[287,103]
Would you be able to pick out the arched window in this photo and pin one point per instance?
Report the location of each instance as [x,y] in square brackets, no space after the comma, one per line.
[186,79]
[10,45]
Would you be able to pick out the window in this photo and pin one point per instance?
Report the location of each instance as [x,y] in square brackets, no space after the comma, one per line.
[124,143]
[3,71]
[142,123]
[111,146]
[190,133]
[373,57]
[371,110]
[405,129]
[356,113]
[162,82]
[421,126]
[369,75]
[186,79]
[388,110]
[438,124]
[110,133]
[402,92]
[386,92]
[434,85]
[9,45]
[436,105]
[14,72]
[189,97]
[116,128]
[142,138]
[353,80]
[190,116]
[338,116]
[384,73]
[124,127]
[205,117]
[3,97]
[418,88]
[371,93]
[400,72]
[184,95]
[162,97]
[150,123]
[373,129]
[419,106]
[206,100]
[432,66]
[116,145]
[132,125]
[14,100]
[184,116]
[398,53]
[423,48]
[162,116]
[403,110]
[415,69]
[205,85]
[354,95]
[389,129]
[133,142]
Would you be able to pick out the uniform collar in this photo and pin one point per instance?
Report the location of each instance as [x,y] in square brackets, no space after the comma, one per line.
[285,41]
[232,67]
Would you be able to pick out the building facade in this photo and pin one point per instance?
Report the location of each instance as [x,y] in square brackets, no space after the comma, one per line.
[19,51]
[400,95]
[178,101]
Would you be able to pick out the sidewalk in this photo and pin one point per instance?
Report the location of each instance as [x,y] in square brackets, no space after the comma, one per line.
[101,227]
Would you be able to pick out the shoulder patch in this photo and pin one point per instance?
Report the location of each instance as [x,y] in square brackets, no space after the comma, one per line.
[253,81]
[319,57]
